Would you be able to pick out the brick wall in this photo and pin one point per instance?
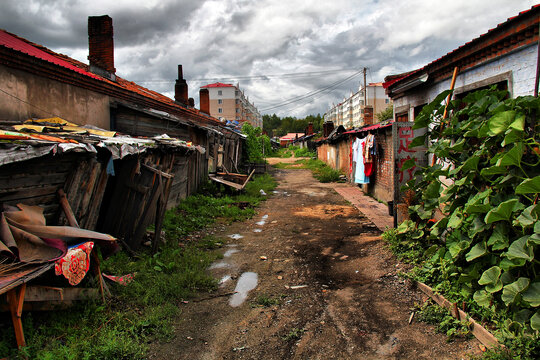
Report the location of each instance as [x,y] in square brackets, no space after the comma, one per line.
[382,181]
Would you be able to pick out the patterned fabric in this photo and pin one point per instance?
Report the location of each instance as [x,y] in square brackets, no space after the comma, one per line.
[122,280]
[76,263]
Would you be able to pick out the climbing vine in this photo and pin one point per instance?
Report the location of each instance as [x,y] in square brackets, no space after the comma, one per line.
[475,213]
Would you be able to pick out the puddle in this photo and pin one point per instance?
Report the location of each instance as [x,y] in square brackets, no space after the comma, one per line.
[265,217]
[260,223]
[229,252]
[235,236]
[257,230]
[220,265]
[225,279]
[247,282]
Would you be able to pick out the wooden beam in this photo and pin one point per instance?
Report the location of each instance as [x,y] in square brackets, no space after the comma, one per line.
[67,209]
[16,301]
[484,336]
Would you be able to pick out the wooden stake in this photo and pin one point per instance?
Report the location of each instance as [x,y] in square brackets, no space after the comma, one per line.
[16,301]
[445,115]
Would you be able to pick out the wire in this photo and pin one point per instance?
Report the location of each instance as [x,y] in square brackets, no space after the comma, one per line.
[313,93]
[256,77]
[26,102]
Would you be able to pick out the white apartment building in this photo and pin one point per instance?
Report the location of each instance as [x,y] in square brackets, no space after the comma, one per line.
[350,112]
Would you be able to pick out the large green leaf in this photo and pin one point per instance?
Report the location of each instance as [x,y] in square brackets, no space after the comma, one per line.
[418,141]
[535,321]
[408,164]
[534,239]
[513,156]
[511,291]
[512,136]
[528,216]
[529,186]
[479,203]
[477,250]
[506,264]
[493,170]
[498,239]
[455,219]
[501,212]
[520,249]
[433,190]
[532,295]
[491,279]
[483,298]
[500,122]
[457,248]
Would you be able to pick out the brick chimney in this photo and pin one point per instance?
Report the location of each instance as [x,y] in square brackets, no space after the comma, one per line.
[309,129]
[328,127]
[181,89]
[368,115]
[101,46]
[204,99]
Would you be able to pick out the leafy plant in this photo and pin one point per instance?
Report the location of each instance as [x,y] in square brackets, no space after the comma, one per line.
[258,146]
[445,322]
[294,334]
[484,248]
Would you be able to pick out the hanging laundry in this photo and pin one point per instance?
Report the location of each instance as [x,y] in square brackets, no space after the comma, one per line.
[360,176]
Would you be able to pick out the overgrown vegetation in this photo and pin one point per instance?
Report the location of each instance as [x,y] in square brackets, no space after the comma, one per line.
[295,150]
[320,170]
[444,321]
[258,145]
[143,310]
[483,252]
[386,114]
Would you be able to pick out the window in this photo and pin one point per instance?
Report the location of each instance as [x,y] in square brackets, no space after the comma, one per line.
[220,110]
[386,101]
[236,93]
[220,92]
[220,101]
[237,110]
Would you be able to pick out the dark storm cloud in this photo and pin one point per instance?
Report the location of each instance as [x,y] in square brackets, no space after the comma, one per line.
[228,38]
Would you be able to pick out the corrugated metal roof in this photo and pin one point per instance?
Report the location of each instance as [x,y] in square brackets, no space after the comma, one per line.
[370,127]
[15,43]
[22,45]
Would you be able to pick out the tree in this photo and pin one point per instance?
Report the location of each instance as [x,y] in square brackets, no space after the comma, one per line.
[386,114]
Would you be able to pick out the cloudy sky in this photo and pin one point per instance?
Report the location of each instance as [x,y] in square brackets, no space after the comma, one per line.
[306,54]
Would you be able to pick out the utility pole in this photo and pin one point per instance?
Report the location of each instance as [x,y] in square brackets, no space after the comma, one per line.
[365,88]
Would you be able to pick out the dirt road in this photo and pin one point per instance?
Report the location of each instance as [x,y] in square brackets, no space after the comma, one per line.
[330,286]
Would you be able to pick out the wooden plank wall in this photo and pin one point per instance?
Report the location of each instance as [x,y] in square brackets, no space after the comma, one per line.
[84,189]
[129,207]
[36,182]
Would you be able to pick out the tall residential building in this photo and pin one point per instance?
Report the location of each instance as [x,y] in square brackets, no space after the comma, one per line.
[350,112]
[228,102]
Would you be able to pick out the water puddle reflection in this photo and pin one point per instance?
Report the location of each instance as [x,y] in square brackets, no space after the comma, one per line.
[247,282]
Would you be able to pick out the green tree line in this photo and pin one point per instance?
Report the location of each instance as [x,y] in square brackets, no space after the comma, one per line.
[274,125]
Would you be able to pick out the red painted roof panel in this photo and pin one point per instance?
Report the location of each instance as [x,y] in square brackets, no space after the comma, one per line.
[18,44]
[215,85]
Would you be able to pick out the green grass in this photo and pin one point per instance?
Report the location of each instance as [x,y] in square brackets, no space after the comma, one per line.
[294,334]
[320,170]
[267,301]
[144,310]
[443,320]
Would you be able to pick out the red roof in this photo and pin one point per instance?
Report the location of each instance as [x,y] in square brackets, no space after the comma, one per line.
[216,85]
[469,44]
[16,43]
[22,45]
[370,127]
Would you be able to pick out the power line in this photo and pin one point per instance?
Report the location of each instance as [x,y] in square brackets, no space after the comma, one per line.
[313,93]
[255,77]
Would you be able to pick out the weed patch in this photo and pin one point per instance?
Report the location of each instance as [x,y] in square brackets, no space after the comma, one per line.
[143,310]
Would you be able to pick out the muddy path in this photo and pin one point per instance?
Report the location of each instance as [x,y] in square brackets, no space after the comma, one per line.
[330,283]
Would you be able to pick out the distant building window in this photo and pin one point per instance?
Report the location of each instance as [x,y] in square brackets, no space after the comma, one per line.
[386,101]
[219,92]
[238,118]
[237,110]
[220,110]
[236,93]
[220,101]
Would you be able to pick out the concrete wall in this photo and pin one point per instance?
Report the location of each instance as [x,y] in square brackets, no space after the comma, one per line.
[35,96]
[518,67]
